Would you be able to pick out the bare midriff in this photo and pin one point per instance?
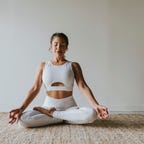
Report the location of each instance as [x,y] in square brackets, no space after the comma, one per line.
[58,94]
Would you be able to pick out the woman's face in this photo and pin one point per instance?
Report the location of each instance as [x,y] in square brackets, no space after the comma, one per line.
[58,46]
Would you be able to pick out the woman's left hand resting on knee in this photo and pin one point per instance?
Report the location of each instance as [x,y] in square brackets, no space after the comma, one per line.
[101,111]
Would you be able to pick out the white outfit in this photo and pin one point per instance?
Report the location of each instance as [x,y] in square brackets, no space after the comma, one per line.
[58,73]
[66,111]
[66,108]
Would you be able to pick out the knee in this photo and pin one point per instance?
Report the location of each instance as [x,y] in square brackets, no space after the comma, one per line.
[23,122]
[90,116]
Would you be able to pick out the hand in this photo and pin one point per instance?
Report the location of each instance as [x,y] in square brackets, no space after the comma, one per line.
[102,112]
[15,115]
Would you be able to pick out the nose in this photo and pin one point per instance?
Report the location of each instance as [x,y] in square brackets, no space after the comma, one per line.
[58,47]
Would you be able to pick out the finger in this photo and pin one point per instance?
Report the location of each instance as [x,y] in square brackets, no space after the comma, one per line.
[106,116]
[106,109]
[10,114]
[103,115]
[100,115]
[12,121]
[105,112]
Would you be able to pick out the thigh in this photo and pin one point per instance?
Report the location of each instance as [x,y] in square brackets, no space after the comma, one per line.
[82,115]
[76,115]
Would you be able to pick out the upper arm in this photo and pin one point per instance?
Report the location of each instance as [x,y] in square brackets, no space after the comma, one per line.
[38,78]
[78,75]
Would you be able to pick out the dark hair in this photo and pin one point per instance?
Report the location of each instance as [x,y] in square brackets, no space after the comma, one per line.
[61,35]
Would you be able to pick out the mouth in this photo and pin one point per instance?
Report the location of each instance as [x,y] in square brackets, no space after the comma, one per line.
[59,52]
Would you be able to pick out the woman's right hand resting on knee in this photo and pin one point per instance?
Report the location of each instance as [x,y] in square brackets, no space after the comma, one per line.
[15,115]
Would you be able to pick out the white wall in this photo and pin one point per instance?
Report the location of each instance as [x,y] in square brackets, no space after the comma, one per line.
[106,38]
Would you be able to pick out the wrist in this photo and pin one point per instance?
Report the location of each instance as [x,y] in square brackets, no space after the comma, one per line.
[95,105]
[22,108]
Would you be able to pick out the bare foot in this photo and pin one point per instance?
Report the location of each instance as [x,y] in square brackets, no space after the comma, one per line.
[48,112]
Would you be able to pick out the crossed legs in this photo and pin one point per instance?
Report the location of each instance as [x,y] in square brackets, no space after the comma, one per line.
[41,116]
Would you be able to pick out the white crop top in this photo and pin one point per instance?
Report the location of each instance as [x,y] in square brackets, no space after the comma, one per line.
[54,74]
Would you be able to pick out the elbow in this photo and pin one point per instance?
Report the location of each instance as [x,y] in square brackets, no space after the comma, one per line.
[34,90]
[83,86]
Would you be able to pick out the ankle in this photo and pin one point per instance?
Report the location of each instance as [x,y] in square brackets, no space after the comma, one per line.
[51,111]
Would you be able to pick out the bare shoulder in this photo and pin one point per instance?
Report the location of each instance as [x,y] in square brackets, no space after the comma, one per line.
[76,66]
[77,72]
[42,64]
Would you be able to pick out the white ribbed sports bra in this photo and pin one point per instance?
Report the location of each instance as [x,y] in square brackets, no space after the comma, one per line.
[62,74]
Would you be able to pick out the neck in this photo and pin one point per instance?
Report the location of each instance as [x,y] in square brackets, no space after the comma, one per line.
[58,59]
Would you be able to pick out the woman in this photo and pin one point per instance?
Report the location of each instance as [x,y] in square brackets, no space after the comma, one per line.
[58,76]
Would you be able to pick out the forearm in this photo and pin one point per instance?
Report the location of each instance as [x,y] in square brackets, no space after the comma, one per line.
[88,93]
[29,98]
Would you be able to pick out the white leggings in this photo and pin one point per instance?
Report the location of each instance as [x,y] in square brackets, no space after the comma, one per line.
[66,111]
